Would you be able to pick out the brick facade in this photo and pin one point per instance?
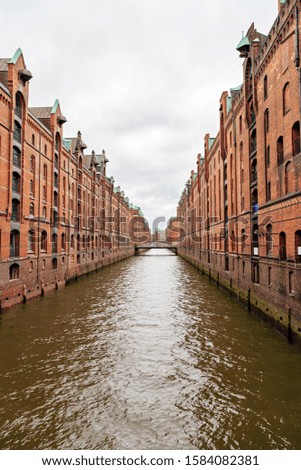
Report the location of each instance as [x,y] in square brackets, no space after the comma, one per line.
[60,215]
[240,210]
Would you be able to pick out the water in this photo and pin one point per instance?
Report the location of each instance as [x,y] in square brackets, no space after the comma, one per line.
[146,354]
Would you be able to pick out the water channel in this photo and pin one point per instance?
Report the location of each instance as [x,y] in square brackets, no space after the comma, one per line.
[145,354]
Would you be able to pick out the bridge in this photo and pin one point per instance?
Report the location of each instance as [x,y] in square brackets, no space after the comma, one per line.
[156,246]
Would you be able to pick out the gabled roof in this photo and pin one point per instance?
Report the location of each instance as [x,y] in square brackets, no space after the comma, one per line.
[3,65]
[16,56]
[41,112]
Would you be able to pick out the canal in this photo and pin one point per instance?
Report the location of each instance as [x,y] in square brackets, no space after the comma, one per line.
[145,354]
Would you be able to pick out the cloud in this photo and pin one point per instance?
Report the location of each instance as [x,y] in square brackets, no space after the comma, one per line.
[141,79]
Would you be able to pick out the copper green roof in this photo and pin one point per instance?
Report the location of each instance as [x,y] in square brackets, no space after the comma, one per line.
[16,56]
[211,142]
[243,42]
[54,107]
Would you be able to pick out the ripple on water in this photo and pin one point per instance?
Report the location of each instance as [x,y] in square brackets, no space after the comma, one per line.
[145,354]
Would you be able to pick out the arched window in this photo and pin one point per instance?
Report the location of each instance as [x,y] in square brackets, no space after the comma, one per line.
[254,201]
[253,142]
[32,164]
[232,241]
[280,151]
[56,180]
[18,108]
[243,240]
[33,140]
[45,171]
[30,241]
[14,271]
[248,78]
[72,241]
[56,161]
[16,157]
[15,214]
[289,178]
[298,246]
[31,187]
[268,156]
[282,246]
[296,138]
[55,199]
[14,244]
[55,218]
[266,121]
[31,209]
[63,240]
[45,149]
[286,98]
[57,142]
[240,124]
[255,244]
[54,243]
[44,212]
[78,242]
[16,183]
[269,240]
[44,241]
[17,132]
[54,263]
[254,171]
[265,87]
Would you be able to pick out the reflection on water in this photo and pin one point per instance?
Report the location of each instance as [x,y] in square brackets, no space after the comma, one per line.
[145,354]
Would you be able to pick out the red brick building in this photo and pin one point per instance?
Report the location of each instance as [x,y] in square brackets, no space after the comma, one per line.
[60,215]
[241,208]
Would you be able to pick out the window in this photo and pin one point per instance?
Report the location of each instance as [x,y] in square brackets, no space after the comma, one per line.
[269,240]
[45,171]
[72,241]
[44,241]
[57,142]
[16,183]
[253,142]
[15,214]
[17,132]
[14,244]
[44,193]
[16,157]
[296,138]
[31,241]
[18,108]
[45,149]
[63,240]
[56,180]
[298,246]
[268,156]
[31,209]
[33,140]
[280,151]
[289,178]
[56,161]
[255,201]
[44,212]
[282,246]
[254,171]
[266,122]
[255,273]
[286,98]
[54,263]
[265,87]
[269,196]
[240,124]
[243,240]
[255,244]
[31,187]
[55,218]
[78,242]
[55,199]
[14,271]
[32,164]
[291,282]
[54,243]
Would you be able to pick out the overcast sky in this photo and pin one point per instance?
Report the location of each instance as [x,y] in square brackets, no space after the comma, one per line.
[140,78]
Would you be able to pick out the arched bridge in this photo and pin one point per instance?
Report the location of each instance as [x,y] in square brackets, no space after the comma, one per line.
[156,246]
